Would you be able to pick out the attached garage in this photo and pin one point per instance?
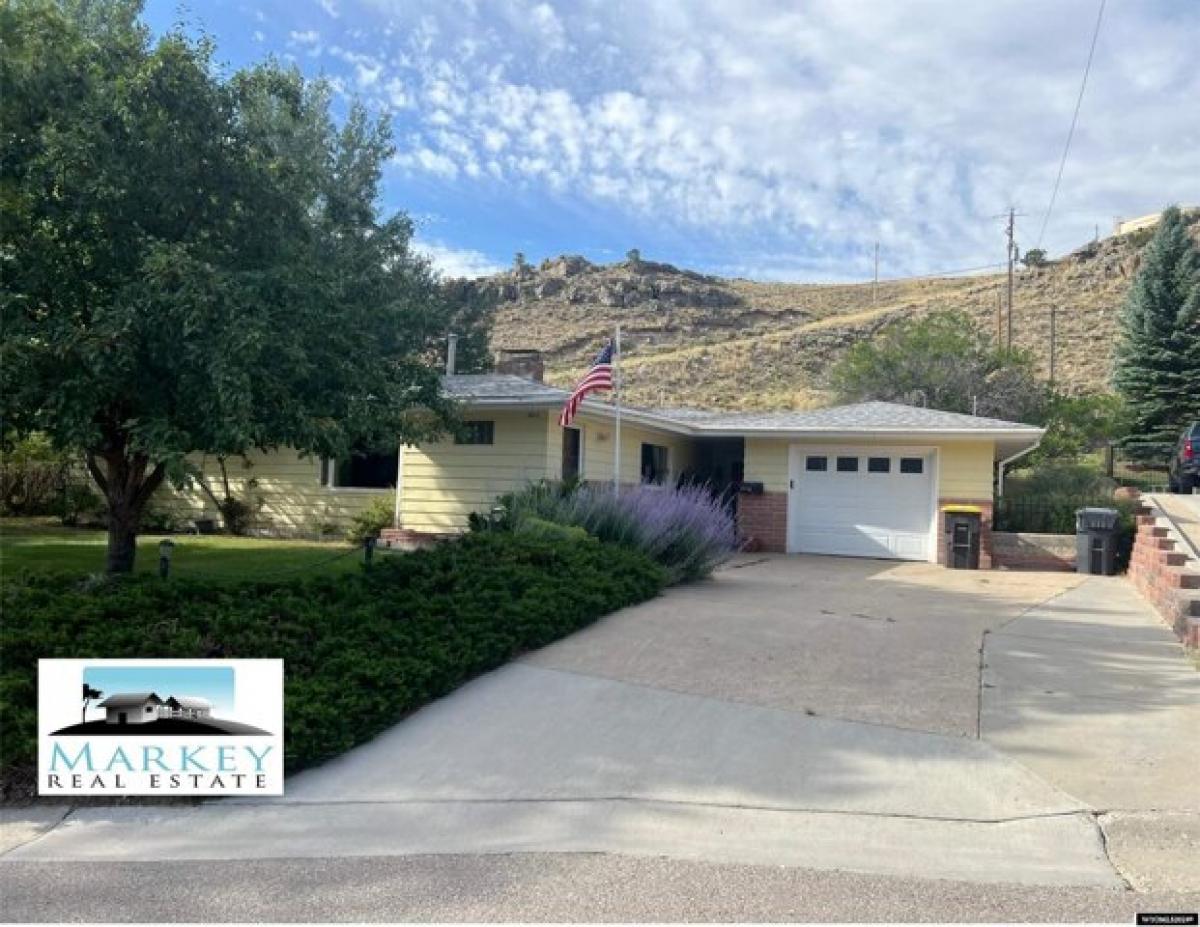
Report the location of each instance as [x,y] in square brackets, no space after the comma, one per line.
[862,501]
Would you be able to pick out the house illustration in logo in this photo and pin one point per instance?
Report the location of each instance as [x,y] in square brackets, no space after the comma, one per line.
[131,708]
[154,701]
[143,707]
[186,706]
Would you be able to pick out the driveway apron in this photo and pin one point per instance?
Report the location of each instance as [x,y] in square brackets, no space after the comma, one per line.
[796,711]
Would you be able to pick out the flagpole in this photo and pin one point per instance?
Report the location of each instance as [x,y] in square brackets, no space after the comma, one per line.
[617,401]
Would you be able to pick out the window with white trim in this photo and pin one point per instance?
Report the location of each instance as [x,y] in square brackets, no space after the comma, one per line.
[655,464]
[481,432]
[362,470]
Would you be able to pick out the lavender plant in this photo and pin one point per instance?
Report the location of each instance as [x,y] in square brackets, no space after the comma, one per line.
[686,530]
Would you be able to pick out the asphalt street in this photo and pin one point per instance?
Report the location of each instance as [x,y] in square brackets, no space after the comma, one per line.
[533,887]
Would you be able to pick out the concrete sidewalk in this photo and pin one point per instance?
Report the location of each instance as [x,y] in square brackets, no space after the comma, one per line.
[799,712]
[1094,694]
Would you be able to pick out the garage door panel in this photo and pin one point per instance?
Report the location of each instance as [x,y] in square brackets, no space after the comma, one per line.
[847,542]
[860,513]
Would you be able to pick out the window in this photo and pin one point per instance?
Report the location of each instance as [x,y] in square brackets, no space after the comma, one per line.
[879,465]
[847,465]
[476,433]
[815,464]
[654,463]
[570,453]
[362,470]
[912,465]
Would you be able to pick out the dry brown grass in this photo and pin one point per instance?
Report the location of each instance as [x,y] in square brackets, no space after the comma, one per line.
[773,344]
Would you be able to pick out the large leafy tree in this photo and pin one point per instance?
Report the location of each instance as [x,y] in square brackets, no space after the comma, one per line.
[942,361]
[196,264]
[1157,363]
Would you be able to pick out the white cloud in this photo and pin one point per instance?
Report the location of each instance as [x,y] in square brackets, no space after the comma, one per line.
[457,262]
[329,7]
[811,131]
[307,37]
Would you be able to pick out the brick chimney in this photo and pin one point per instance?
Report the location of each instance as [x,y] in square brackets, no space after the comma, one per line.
[522,362]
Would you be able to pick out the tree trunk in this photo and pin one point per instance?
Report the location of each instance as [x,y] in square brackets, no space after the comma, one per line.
[122,540]
[127,488]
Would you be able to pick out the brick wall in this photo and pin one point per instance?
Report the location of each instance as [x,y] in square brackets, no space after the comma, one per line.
[763,519]
[1165,576]
[1013,550]
[985,532]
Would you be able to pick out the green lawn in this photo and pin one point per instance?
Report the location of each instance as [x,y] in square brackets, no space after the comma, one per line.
[41,544]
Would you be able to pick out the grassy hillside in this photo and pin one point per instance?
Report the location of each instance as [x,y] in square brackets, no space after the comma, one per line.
[696,340]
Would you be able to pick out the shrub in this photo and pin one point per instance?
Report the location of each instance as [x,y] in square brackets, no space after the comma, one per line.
[360,650]
[686,530]
[80,505]
[370,521]
[1067,478]
[32,477]
[551,531]
[1054,513]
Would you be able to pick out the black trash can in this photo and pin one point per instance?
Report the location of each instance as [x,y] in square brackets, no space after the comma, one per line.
[963,524]
[1096,533]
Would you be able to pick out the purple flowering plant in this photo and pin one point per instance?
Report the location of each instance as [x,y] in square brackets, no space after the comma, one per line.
[687,529]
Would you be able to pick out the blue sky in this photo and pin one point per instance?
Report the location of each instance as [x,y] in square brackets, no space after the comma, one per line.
[212,683]
[768,140]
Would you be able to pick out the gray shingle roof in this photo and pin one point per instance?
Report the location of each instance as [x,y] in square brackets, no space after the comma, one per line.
[129,699]
[859,417]
[497,387]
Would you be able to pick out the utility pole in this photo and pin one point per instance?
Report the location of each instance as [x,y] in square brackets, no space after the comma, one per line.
[999,318]
[875,285]
[1012,215]
[1053,338]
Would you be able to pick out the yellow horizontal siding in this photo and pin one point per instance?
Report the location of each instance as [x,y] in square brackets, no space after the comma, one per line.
[289,487]
[964,467]
[598,450]
[444,482]
[766,462]
[965,470]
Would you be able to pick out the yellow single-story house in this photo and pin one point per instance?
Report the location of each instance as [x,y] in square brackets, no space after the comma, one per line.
[871,479]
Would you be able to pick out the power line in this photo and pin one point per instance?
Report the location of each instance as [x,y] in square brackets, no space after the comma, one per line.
[929,276]
[1074,119]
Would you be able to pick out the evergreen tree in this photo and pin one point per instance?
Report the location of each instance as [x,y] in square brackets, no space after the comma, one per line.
[1157,365]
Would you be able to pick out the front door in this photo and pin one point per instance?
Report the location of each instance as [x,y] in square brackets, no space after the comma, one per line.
[122,718]
[570,453]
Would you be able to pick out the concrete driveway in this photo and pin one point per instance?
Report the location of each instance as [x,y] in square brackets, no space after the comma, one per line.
[821,713]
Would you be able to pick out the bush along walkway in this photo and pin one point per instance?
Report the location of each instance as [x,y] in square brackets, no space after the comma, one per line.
[360,651]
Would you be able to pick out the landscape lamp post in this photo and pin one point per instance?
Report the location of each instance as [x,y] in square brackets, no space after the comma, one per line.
[166,547]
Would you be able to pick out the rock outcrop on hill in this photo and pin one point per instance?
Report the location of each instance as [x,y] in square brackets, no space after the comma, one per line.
[696,340]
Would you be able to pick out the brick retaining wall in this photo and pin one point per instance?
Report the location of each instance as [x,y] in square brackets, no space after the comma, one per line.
[1165,576]
[1021,550]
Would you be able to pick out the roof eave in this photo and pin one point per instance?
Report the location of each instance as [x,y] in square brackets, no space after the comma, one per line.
[952,434]
[698,428]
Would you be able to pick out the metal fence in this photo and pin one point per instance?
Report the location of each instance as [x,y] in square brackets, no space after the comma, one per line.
[1045,514]
[1143,466]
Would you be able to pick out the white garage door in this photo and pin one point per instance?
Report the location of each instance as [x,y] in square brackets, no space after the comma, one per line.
[861,501]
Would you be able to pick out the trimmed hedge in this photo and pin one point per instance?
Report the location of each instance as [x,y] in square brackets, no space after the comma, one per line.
[360,650]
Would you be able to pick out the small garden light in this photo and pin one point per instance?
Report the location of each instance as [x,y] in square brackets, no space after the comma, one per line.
[166,547]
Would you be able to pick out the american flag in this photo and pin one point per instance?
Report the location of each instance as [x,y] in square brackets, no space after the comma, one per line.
[599,377]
